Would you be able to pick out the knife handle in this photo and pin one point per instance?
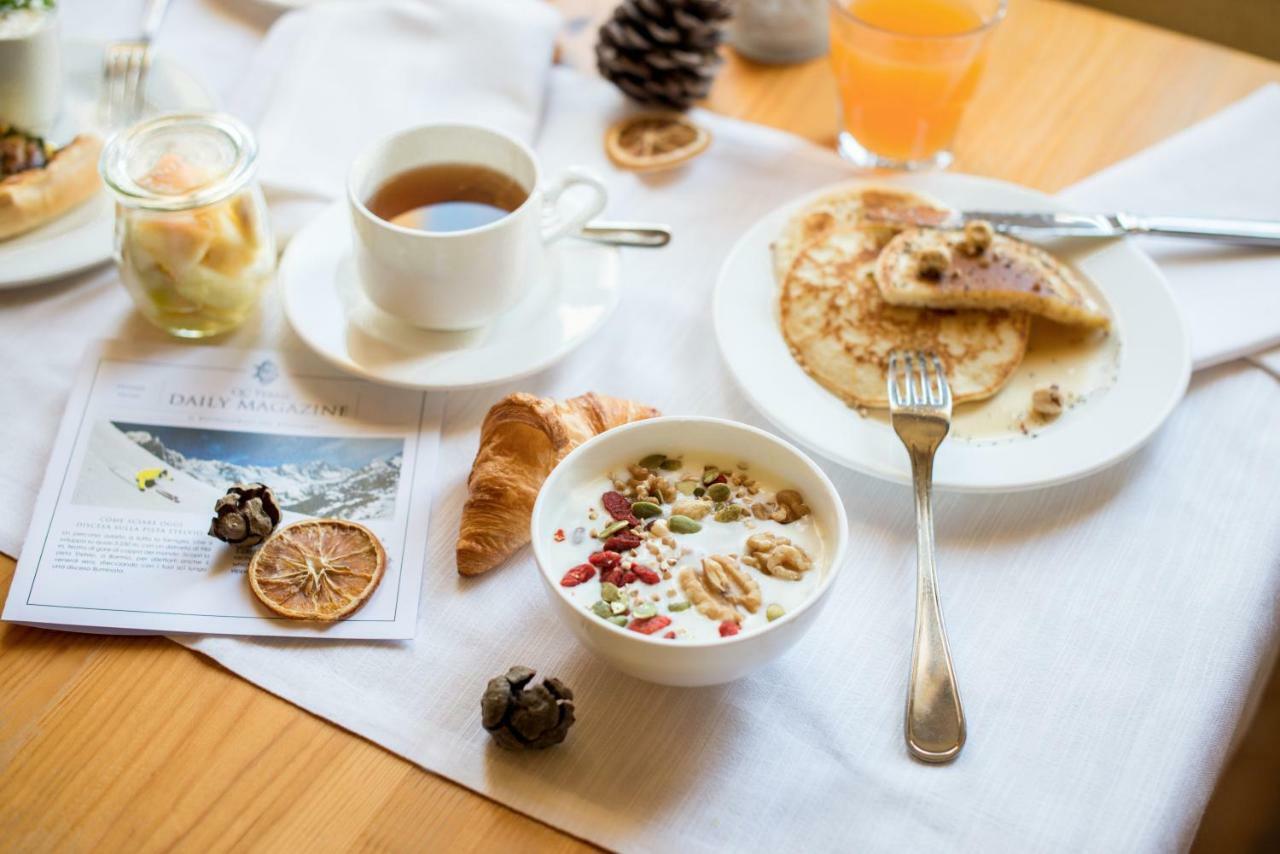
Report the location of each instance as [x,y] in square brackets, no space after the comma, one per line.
[1248,232]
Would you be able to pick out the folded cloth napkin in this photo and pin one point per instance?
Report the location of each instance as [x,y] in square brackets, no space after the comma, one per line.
[1230,295]
[328,81]
[1107,633]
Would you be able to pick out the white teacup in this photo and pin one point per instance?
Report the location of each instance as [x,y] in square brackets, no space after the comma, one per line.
[459,279]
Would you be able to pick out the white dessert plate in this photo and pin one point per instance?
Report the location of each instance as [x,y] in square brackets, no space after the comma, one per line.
[327,307]
[1154,360]
[82,237]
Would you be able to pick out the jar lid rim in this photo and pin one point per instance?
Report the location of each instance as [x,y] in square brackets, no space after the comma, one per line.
[129,189]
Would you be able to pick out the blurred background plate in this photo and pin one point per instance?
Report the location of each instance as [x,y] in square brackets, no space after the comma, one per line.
[82,238]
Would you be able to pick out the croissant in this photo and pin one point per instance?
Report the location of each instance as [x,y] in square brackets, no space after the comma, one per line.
[521,440]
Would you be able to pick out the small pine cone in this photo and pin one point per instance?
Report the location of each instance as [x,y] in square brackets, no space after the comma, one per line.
[520,717]
[246,515]
[663,52]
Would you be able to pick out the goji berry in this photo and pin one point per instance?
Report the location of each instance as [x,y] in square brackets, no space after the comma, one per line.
[577,575]
[628,577]
[649,625]
[559,536]
[648,576]
[618,505]
[605,560]
[729,628]
[624,542]
[719,479]
[670,635]
[612,576]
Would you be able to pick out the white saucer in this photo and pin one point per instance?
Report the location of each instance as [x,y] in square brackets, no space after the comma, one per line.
[1155,361]
[82,238]
[327,307]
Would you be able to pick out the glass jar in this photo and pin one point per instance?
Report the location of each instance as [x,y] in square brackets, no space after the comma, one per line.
[779,31]
[192,240]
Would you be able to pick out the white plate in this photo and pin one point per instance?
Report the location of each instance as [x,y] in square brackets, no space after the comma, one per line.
[327,307]
[1155,361]
[82,237]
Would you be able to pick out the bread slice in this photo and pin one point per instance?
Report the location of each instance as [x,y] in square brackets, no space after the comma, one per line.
[33,197]
[842,210]
[841,331]
[945,269]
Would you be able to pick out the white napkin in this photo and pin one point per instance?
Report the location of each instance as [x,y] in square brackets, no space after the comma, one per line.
[330,80]
[1226,166]
[1107,633]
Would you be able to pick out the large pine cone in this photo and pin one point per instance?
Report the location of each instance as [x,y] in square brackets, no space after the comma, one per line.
[521,717]
[246,515]
[663,51]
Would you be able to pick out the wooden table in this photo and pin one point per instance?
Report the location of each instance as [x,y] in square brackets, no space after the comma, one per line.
[112,742]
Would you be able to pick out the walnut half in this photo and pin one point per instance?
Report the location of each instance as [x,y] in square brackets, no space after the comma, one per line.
[777,556]
[720,588]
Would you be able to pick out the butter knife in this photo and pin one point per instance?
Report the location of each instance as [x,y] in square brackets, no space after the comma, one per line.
[1248,232]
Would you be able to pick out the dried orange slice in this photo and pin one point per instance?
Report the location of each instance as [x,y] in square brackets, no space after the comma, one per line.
[318,569]
[652,141]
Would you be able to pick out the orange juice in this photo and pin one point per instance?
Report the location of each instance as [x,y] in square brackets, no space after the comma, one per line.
[905,69]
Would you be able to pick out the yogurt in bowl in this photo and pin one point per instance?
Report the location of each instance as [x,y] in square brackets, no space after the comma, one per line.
[688,551]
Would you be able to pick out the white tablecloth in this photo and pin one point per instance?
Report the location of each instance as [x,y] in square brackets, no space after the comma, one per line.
[1108,634]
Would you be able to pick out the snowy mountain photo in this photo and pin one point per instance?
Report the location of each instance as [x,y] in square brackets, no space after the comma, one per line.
[349,478]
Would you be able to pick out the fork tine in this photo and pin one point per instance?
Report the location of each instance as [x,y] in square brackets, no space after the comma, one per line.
[916,378]
[119,67]
[895,399]
[140,58]
[944,388]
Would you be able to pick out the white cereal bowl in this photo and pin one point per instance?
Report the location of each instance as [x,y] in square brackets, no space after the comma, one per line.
[686,663]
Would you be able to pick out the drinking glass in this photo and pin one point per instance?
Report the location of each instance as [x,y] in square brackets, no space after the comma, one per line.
[905,70]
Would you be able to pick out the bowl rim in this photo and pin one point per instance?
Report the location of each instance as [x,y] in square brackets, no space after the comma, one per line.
[834,564]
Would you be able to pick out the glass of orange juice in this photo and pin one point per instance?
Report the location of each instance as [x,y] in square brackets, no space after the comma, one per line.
[905,70]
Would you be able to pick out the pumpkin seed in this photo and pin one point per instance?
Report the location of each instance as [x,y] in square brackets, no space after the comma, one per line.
[719,492]
[646,509]
[729,513]
[699,491]
[601,609]
[687,487]
[678,606]
[609,592]
[709,473]
[653,461]
[619,621]
[612,528]
[618,607]
[683,525]
[672,465]
[644,611]
[774,611]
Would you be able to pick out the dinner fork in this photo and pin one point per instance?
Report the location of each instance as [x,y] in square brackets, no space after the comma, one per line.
[920,411]
[124,71]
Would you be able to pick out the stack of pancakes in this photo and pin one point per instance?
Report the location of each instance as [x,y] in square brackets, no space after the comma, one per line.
[853,289]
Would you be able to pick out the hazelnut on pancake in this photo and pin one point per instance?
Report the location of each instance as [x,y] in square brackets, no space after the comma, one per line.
[847,209]
[841,331]
[977,269]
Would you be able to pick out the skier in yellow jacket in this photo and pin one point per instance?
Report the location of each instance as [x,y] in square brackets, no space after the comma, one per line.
[146,478]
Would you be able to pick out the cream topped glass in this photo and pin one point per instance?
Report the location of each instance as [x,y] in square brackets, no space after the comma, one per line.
[30,69]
